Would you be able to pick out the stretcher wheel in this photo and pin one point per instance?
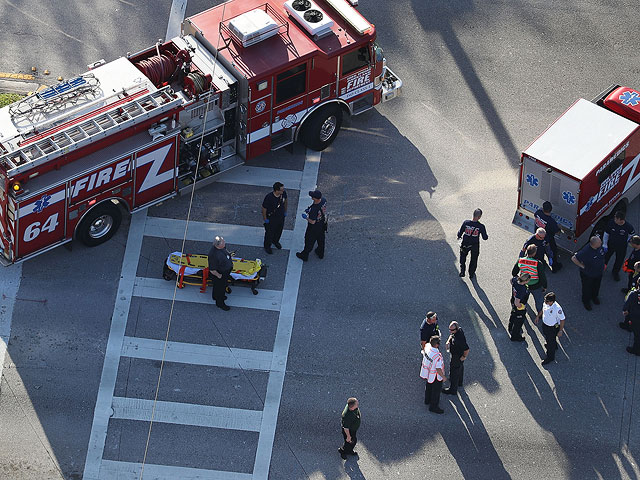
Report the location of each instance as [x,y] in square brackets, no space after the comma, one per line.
[168,274]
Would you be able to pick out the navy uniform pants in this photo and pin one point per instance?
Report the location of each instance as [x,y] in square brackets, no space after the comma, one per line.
[620,251]
[313,234]
[590,287]
[273,231]
[473,263]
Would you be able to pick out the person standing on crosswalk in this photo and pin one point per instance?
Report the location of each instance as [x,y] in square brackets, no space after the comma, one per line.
[274,211]
[220,266]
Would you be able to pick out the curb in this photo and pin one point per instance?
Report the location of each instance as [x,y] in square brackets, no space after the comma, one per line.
[15,86]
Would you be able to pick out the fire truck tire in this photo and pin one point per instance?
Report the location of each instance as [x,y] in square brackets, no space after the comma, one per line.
[322,127]
[99,224]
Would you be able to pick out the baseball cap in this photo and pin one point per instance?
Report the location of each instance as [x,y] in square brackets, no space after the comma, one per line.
[635,239]
[315,194]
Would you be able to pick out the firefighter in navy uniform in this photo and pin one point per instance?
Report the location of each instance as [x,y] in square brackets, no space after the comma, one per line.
[316,217]
[470,232]
[631,311]
[274,209]
[615,240]
[543,219]
[629,264]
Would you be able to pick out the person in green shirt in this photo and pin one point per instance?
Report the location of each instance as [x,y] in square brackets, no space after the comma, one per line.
[349,426]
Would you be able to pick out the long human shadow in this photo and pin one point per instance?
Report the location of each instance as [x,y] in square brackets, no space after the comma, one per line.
[555,405]
[400,264]
[474,452]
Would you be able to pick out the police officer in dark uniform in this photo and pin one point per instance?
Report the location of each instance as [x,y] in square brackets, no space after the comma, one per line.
[539,239]
[631,311]
[316,217]
[274,209]
[616,236]
[543,219]
[459,350]
[470,232]
[629,264]
[590,259]
[220,266]
[428,329]
[519,298]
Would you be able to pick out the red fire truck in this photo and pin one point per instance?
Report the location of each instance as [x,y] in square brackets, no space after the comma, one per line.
[585,164]
[243,78]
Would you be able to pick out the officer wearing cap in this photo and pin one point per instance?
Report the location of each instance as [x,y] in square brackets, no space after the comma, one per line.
[543,219]
[629,264]
[615,240]
[316,217]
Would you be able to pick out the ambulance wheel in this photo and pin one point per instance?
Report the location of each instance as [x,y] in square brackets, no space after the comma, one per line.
[319,131]
[99,225]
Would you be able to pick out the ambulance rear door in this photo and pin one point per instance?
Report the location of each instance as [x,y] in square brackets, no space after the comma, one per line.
[540,183]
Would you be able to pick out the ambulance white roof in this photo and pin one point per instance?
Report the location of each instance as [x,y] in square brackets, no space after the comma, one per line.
[581,138]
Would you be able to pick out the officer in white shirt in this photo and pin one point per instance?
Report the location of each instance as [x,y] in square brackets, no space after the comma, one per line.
[552,325]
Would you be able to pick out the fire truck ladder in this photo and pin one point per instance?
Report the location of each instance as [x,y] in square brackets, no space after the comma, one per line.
[64,139]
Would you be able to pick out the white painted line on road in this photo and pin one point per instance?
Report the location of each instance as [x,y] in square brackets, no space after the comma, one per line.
[114,347]
[126,408]
[112,469]
[176,15]
[262,177]
[161,289]
[191,353]
[205,232]
[9,286]
[285,325]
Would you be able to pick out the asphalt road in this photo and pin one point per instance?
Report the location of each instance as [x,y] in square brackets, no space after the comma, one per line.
[482,79]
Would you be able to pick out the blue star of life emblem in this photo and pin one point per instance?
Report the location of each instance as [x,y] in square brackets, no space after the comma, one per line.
[569,197]
[42,203]
[532,180]
[630,98]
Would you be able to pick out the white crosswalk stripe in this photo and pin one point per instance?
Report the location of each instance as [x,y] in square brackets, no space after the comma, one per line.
[214,356]
[274,363]
[111,470]
[161,289]
[204,232]
[262,177]
[126,408]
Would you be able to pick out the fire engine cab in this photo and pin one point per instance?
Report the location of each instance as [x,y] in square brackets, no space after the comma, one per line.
[243,78]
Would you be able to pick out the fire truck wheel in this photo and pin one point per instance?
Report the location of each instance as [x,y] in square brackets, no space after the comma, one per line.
[321,129]
[99,224]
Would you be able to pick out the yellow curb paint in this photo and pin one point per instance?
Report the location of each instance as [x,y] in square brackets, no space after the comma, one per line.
[17,76]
